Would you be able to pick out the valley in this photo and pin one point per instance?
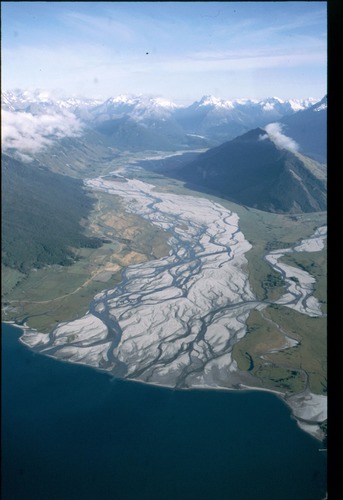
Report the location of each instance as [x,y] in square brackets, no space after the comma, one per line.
[46,296]
[164,226]
[164,244]
[183,266]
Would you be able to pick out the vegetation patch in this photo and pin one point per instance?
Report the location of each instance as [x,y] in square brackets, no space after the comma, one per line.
[314,263]
[310,354]
[41,215]
[49,295]
[277,366]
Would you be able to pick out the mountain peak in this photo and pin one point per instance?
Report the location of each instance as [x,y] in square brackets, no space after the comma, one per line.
[255,173]
[214,102]
[321,105]
[209,100]
[122,99]
[253,135]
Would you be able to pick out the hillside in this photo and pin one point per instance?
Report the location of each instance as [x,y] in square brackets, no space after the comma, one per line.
[128,134]
[41,216]
[308,128]
[256,173]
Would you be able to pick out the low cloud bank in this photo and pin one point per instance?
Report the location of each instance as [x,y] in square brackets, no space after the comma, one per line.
[29,133]
[274,133]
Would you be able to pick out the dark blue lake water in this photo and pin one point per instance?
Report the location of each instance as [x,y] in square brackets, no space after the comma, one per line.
[70,432]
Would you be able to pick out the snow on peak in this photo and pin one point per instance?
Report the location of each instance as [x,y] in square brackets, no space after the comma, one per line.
[301,104]
[153,107]
[210,100]
[215,102]
[165,103]
[122,99]
[141,102]
[244,101]
[322,106]
[270,103]
[296,104]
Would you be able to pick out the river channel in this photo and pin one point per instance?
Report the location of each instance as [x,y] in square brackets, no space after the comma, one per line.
[174,321]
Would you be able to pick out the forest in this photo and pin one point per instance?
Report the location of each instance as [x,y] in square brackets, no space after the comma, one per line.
[42,215]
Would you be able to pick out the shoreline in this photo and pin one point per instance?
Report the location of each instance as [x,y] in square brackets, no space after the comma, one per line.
[228,430]
[91,339]
[311,427]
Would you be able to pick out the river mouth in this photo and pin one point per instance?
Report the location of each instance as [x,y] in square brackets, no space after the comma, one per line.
[60,420]
[174,321]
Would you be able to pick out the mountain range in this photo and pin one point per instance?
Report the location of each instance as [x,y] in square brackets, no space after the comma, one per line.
[139,123]
[272,158]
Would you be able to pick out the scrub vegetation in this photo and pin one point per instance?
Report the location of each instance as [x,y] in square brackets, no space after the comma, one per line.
[288,369]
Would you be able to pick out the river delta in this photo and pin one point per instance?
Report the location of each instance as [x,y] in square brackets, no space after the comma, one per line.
[173,321]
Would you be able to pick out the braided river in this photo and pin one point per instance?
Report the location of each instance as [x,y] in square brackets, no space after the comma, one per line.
[173,321]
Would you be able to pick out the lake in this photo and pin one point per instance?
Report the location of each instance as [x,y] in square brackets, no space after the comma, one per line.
[71,432]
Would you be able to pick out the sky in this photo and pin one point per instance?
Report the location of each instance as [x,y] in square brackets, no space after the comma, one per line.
[177,50]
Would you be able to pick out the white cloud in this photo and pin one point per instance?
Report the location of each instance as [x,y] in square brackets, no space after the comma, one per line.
[101,26]
[29,133]
[97,69]
[274,132]
[23,157]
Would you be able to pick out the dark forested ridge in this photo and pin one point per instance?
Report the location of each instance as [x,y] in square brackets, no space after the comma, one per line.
[41,216]
[256,173]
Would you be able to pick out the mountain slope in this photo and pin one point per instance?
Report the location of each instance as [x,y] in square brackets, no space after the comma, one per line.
[41,216]
[252,171]
[308,128]
[77,156]
[125,133]
[222,120]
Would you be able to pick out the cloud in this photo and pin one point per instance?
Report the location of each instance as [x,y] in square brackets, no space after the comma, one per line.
[29,133]
[274,132]
[101,26]
[22,157]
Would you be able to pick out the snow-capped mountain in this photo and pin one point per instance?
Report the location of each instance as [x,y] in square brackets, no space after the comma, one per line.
[145,122]
[41,101]
[225,119]
[308,128]
[210,101]
[136,107]
[143,106]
